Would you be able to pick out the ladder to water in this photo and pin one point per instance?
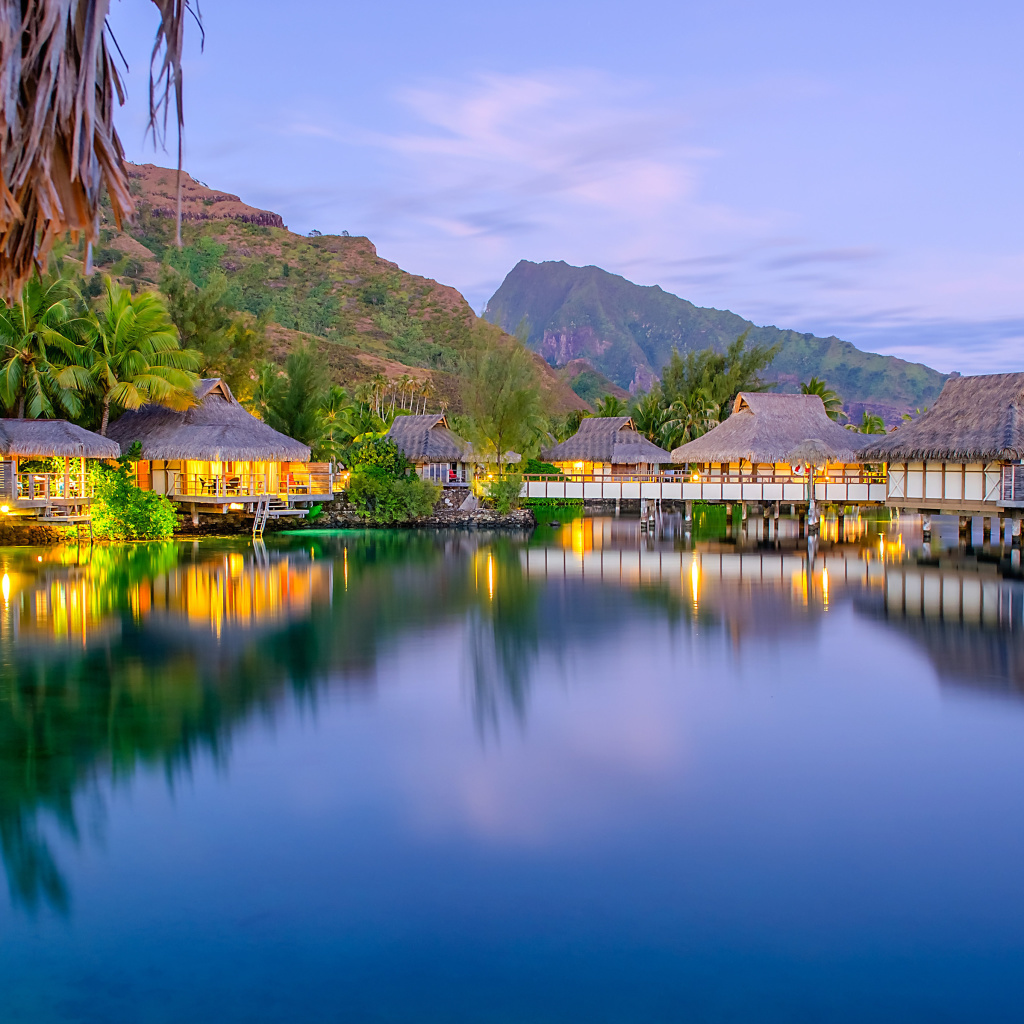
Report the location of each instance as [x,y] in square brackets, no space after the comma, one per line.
[272,508]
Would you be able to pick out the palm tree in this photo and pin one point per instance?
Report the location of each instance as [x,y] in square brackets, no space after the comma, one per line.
[869,424]
[61,152]
[611,405]
[41,372]
[833,403]
[650,415]
[689,418]
[136,356]
[380,388]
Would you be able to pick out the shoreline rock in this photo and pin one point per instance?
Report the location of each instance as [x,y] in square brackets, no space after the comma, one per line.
[340,516]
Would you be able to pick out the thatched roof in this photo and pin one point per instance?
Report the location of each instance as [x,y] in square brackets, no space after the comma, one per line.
[217,429]
[40,439]
[768,428]
[612,439]
[974,419]
[428,438]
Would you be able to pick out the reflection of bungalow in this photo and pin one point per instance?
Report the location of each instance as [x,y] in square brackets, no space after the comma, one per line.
[607,446]
[437,452]
[217,456]
[761,452]
[46,493]
[962,455]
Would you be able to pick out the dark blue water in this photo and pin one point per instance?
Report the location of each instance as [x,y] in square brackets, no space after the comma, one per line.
[589,776]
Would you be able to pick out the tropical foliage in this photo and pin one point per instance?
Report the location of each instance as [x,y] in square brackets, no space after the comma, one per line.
[502,401]
[869,424]
[42,368]
[382,487]
[121,510]
[135,356]
[503,492]
[832,402]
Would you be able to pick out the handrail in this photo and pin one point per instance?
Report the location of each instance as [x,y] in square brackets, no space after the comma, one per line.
[253,485]
[864,475]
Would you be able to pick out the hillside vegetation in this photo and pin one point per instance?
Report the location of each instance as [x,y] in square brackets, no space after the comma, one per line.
[367,315]
[627,332]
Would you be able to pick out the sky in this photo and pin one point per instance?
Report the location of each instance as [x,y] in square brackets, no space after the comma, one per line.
[842,168]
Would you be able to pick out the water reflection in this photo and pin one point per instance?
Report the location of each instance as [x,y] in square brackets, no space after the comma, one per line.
[151,654]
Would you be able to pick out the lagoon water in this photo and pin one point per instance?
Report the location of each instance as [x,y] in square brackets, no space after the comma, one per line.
[588,775]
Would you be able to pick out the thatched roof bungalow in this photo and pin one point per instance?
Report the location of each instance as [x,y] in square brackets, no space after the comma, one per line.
[767,429]
[217,453]
[437,452]
[53,494]
[773,446]
[43,439]
[964,453]
[607,446]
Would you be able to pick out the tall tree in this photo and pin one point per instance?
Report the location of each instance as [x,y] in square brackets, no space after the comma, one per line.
[227,345]
[502,399]
[833,403]
[136,356]
[721,376]
[42,372]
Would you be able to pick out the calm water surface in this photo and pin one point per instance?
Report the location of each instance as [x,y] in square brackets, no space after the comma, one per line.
[588,775]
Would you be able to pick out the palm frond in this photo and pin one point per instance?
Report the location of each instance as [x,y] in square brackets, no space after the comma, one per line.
[59,150]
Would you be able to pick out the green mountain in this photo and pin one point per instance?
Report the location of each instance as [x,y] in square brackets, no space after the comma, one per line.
[627,332]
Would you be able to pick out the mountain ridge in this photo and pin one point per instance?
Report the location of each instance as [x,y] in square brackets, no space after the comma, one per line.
[627,332]
[364,312]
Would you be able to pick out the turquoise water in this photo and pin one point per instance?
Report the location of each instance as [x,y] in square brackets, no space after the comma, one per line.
[589,775]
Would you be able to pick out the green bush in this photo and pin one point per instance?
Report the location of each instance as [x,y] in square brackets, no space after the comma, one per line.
[534,467]
[122,511]
[378,453]
[504,492]
[382,498]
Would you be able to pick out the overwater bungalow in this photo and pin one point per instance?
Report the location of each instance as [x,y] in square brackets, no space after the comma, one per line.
[437,452]
[964,454]
[217,457]
[55,495]
[771,447]
[607,446]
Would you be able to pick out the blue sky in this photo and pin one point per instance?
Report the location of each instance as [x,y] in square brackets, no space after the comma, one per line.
[847,168]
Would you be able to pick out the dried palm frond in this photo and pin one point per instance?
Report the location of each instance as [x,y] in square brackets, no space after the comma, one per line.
[58,146]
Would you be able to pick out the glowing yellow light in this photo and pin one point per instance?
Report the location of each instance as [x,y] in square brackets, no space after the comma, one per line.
[824,586]
[695,581]
[5,585]
[346,567]
[695,478]
[39,558]
[5,509]
[490,577]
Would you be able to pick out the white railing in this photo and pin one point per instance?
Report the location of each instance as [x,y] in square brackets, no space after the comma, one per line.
[852,486]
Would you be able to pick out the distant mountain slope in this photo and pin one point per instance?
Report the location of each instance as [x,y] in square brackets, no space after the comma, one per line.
[367,315]
[627,332]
